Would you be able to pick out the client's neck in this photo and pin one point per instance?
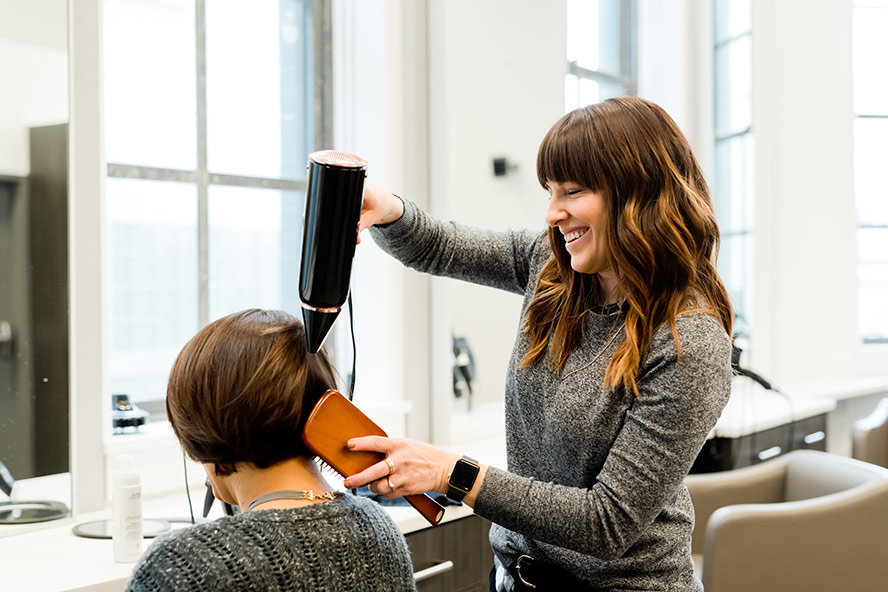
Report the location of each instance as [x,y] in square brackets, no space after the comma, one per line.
[249,482]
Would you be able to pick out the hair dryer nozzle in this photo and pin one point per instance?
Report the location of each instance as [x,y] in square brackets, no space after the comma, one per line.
[317,325]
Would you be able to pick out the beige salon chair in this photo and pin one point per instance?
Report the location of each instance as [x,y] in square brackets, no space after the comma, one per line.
[805,521]
[869,438]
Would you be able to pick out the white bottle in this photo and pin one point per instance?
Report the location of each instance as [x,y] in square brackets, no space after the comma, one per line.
[127,512]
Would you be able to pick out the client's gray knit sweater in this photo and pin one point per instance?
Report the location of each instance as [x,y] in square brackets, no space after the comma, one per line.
[595,479]
[347,544]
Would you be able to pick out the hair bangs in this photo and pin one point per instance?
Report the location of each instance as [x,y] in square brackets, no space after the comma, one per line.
[567,153]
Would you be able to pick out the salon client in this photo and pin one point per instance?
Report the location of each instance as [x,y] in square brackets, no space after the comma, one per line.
[238,392]
[619,370]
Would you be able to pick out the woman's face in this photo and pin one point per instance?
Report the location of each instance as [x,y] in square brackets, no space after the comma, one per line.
[580,215]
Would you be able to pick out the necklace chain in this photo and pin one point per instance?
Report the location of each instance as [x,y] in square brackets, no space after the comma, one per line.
[598,355]
[293,494]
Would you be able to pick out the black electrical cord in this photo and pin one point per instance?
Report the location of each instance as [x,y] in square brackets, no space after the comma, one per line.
[351,322]
[351,386]
[187,491]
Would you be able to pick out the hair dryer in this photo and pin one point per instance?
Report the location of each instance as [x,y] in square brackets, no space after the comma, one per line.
[332,211]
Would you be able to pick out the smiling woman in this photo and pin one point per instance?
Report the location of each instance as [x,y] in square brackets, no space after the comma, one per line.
[624,170]
[619,372]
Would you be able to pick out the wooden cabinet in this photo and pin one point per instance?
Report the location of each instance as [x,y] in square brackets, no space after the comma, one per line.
[452,557]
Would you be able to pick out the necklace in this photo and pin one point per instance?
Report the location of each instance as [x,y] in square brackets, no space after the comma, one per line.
[598,355]
[294,495]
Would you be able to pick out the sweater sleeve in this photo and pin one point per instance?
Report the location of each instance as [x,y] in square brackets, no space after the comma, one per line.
[662,433]
[498,259]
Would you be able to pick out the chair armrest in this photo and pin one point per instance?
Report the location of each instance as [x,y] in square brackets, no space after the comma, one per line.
[763,483]
[869,438]
[834,542]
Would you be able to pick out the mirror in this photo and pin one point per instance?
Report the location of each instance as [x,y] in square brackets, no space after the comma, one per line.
[34,247]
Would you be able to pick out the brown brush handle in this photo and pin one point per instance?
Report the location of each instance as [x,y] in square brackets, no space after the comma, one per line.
[429,508]
[332,422]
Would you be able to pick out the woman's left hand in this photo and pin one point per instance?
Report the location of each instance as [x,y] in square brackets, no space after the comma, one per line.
[418,467]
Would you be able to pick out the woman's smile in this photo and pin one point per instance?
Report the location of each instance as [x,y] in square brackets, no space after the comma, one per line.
[572,235]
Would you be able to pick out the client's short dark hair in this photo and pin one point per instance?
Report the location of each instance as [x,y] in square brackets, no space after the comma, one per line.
[241,389]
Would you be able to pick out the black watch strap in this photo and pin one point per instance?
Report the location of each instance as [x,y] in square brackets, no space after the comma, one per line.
[462,478]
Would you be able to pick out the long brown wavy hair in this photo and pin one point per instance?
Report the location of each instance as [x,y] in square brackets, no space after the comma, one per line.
[661,233]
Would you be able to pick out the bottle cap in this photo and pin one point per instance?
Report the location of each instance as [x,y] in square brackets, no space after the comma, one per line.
[125,473]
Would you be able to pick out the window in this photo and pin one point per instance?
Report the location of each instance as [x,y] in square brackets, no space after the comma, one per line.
[601,64]
[870,45]
[733,173]
[207,138]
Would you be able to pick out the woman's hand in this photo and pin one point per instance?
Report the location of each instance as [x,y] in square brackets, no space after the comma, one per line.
[418,467]
[380,207]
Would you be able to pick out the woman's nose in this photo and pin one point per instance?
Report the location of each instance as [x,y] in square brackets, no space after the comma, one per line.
[555,213]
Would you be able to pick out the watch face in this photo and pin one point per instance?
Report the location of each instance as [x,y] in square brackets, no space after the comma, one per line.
[464,474]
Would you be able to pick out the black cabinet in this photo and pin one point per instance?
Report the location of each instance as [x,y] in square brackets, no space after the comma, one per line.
[452,557]
[722,454]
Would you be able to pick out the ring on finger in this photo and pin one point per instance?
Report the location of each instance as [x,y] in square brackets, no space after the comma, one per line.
[390,464]
[391,486]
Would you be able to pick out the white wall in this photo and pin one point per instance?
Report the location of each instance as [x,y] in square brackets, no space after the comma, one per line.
[35,22]
[33,75]
[805,215]
[34,79]
[496,73]
[380,96]
[90,413]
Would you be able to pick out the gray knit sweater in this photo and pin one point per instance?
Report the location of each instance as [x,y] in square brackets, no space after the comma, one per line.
[595,479]
[347,544]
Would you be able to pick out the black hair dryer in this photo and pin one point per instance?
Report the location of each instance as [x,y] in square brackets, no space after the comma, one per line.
[332,211]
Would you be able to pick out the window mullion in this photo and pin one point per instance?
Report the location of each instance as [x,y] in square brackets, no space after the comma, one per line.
[597,75]
[321,14]
[628,46]
[203,311]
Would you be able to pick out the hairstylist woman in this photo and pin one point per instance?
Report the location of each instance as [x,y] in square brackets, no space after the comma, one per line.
[620,369]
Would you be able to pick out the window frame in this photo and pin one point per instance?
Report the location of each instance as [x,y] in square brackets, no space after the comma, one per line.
[744,237]
[627,77]
[202,178]
[868,342]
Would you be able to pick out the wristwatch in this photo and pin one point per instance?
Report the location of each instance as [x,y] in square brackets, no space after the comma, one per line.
[462,478]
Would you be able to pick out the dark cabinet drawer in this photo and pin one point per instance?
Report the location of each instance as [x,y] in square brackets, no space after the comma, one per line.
[462,542]
[764,445]
[810,433]
[722,454]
